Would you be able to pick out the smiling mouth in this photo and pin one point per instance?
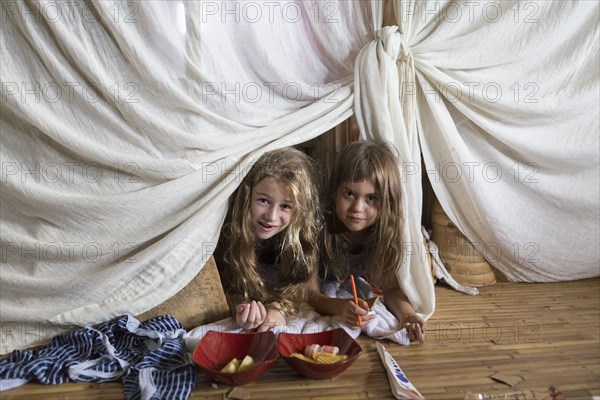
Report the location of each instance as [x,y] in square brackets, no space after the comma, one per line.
[266,227]
[355,219]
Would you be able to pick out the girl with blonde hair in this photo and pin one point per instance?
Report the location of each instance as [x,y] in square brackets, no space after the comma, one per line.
[363,234]
[267,253]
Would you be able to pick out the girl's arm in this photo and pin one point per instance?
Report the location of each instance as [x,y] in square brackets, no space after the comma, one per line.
[250,315]
[344,308]
[397,302]
[275,317]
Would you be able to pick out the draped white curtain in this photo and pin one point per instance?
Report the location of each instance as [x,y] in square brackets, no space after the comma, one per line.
[507,98]
[382,114]
[503,99]
[126,125]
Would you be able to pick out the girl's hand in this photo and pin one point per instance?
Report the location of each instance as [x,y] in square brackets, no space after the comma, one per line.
[349,312]
[416,327]
[250,315]
[274,318]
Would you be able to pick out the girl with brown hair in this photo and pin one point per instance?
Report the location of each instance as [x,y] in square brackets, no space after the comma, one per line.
[363,214]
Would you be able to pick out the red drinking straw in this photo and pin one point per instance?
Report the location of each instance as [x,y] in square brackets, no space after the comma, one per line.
[355,298]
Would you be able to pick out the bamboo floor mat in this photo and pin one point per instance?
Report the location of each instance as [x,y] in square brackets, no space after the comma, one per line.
[513,340]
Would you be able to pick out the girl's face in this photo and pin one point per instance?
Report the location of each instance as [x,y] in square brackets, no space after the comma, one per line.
[357,205]
[272,207]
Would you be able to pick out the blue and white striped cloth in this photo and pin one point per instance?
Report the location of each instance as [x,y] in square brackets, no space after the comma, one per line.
[150,359]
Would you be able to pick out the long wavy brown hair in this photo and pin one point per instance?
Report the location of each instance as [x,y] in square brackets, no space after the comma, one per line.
[378,163]
[298,242]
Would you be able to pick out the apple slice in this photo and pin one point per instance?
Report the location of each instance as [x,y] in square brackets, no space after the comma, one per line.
[232,366]
[247,363]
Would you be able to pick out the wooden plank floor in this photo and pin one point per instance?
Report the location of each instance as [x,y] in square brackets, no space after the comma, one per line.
[533,335]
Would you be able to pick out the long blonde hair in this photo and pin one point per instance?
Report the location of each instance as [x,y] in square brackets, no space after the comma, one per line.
[298,244]
[376,162]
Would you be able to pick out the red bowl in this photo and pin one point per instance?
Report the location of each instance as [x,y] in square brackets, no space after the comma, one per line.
[216,349]
[289,343]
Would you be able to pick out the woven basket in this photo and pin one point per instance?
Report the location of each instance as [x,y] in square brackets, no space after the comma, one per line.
[429,261]
[460,258]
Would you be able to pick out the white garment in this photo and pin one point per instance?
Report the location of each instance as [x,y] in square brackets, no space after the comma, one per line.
[383,326]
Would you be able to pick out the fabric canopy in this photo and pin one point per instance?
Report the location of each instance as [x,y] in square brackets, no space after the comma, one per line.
[126,126]
[508,121]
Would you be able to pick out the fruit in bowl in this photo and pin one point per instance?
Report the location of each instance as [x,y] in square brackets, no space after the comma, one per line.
[335,352]
[321,354]
[236,366]
[236,358]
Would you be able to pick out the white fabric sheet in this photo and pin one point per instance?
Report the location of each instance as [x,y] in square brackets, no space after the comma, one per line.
[507,98]
[126,126]
[384,325]
[502,98]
